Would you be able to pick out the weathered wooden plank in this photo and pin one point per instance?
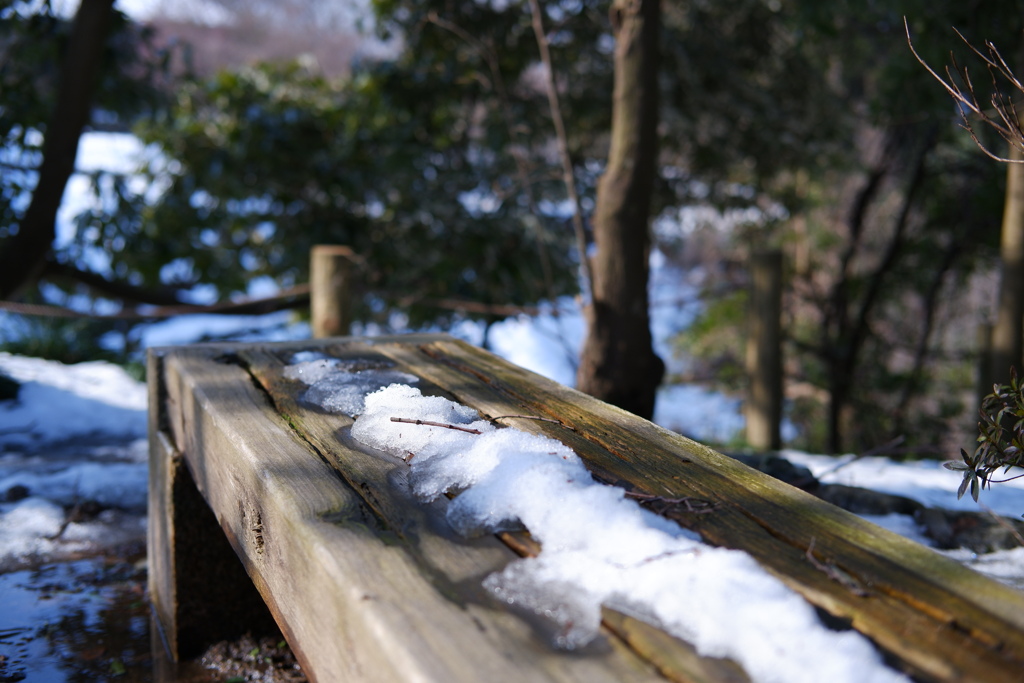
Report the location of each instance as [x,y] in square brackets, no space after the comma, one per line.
[378,477]
[200,592]
[360,594]
[943,621]
[677,660]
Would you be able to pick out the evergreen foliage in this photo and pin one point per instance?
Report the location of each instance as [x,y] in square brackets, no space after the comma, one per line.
[1001,442]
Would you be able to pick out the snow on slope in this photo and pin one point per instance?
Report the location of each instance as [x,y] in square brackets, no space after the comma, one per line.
[73,461]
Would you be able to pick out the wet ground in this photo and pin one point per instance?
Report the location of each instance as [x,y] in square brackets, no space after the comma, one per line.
[85,620]
[73,603]
[88,621]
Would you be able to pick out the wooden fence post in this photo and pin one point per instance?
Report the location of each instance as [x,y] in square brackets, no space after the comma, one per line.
[763,408]
[330,272]
[1008,331]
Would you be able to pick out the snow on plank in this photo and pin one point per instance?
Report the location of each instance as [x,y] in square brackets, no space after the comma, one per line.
[938,620]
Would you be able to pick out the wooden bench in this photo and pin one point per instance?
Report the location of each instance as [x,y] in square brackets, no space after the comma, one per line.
[367,585]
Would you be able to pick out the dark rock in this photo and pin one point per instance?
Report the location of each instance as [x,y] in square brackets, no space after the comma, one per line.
[979,532]
[15,493]
[8,388]
[867,502]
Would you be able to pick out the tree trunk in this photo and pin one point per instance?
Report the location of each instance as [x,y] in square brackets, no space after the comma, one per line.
[1008,334]
[763,409]
[24,255]
[846,333]
[618,363]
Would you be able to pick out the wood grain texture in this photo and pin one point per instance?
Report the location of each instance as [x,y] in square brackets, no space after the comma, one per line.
[360,592]
[381,576]
[940,619]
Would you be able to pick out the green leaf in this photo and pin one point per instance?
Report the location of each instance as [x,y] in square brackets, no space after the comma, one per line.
[963,486]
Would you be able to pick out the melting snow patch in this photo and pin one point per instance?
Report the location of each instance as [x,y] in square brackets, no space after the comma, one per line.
[121,484]
[925,481]
[89,398]
[338,386]
[28,533]
[1002,565]
[601,548]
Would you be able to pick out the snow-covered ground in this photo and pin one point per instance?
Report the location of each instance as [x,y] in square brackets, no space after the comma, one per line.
[73,461]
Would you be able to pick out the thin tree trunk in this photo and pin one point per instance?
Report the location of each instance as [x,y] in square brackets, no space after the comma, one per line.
[835,329]
[763,409]
[618,363]
[24,255]
[853,331]
[915,379]
[1008,334]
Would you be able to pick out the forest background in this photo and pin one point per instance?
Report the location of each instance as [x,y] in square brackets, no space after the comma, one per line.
[432,150]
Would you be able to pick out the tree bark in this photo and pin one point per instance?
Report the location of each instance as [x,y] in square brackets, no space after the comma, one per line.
[763,409]
[1008,334]
[24,255]
[847,332]
[618,363]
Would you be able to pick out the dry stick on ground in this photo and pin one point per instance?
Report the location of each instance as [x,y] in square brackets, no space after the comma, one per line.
[694,505]
[470,430]
[889,447]
[1008,126]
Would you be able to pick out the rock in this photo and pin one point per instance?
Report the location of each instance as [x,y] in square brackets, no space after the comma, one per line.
[979,532]
[15,493]
[8,388]
[865,501]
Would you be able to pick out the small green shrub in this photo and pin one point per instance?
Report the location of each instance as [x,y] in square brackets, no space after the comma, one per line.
[1001,441]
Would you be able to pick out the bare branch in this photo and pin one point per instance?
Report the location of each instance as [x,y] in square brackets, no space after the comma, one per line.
[428,423]
[563,143]
[1007,122]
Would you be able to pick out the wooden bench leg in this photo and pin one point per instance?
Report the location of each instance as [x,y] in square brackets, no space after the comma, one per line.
[199,589]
